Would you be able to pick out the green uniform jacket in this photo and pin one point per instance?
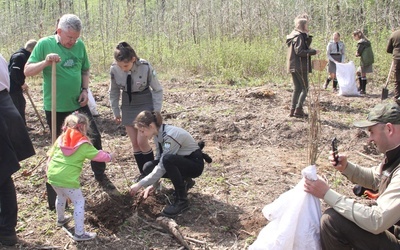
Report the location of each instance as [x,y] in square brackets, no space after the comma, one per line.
[364,50]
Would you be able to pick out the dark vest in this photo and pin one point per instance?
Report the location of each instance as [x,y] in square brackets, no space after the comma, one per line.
[388,169]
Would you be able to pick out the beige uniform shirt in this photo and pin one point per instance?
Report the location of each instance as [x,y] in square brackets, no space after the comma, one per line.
[377,218]
[143,76]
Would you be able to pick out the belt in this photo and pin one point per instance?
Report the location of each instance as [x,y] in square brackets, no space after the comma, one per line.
[136,92]
[4,90]
[335,54]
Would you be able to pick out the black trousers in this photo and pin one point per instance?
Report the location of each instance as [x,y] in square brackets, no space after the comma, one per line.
[15,145]
[179,167]
[338,233]
[8,208]
[20,103]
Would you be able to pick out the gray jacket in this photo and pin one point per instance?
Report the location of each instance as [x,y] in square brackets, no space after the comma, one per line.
[170,140]
[143,75]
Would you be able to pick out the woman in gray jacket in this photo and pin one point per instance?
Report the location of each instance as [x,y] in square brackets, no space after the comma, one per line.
[179,157]
[136,80]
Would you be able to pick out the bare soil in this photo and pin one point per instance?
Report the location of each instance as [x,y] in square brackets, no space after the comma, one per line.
[258,153]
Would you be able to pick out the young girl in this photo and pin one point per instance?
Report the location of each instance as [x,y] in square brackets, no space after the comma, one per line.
[179,158]
[364,51]
[140,91]
[65,166]
[335,52]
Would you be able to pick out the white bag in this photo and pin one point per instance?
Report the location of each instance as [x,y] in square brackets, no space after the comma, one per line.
[92,104]
[294,220]
[346,77]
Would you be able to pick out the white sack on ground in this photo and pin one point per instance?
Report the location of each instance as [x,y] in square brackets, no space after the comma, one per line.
[346,76]
[92,103]
[294,220]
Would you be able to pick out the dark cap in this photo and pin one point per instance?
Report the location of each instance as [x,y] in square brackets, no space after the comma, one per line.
[381,113]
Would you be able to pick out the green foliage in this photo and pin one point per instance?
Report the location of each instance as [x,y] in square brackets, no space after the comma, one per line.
[239,42]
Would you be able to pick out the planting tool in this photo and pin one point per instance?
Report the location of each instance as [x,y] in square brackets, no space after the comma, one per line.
[34,107]
[385,91]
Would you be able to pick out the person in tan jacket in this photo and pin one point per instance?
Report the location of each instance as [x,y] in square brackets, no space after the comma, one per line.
[352,225]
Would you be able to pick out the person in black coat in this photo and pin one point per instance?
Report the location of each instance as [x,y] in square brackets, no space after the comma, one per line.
[16,67]
[15,146]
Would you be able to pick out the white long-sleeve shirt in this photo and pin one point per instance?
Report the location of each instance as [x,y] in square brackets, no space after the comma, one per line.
[4,77]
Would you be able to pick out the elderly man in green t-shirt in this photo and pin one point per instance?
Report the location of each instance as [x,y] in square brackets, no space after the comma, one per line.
[69,52]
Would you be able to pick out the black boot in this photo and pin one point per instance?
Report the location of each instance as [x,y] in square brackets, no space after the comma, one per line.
[180,204]
[299,113]
[327,82]
[364,86]
[359,84]
[141,158]
[291,113]
[148,156]
[335,85]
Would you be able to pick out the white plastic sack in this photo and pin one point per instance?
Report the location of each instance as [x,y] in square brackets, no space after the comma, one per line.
[294,220]
[346,76]
[92,104]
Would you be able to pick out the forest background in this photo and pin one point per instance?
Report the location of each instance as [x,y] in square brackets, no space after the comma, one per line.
[198,47]
[237,41]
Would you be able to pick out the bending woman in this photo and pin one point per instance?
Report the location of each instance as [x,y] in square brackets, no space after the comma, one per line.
[178,158]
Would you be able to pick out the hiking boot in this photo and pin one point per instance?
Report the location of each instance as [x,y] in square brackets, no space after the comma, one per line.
[61,223]
[299,113]
[291,113]
[84,236]
[327,83]
[8,240]
[176,208]
[104,182]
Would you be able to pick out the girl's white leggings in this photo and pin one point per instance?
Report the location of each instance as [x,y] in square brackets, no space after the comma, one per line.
[76,196]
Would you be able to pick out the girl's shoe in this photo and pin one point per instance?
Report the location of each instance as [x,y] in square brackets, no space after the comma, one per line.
[61,223]
[84,236]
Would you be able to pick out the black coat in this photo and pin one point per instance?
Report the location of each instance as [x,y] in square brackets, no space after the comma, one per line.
[8,159]
[16,68]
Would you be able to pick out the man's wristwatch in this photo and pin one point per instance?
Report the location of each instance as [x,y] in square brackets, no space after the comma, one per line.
[84,89]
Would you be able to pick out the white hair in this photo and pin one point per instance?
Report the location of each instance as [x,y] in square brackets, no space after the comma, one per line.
[70,21]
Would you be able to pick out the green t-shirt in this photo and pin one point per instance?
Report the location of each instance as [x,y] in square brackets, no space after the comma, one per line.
[64,171]
[69,72]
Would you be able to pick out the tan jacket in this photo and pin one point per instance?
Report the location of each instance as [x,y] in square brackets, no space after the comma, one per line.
[386,213]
